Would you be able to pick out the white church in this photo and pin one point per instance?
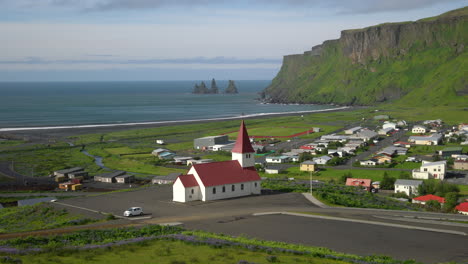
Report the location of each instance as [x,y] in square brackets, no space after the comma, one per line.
[221,180]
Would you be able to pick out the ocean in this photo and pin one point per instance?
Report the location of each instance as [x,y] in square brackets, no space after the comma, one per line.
[52,104]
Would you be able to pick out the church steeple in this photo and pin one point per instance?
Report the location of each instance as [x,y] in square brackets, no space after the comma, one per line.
[243,150]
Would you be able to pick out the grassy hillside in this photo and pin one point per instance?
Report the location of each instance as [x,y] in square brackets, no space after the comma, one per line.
[418,63]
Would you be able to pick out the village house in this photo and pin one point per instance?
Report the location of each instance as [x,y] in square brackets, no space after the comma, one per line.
[207,143]
[366,134]
[322,160]
[191,162]
[182,160]
[449,151]
[65,172]
[335,138]
[307,165]
[387,125]
[460,165]
[383,158]
[425,198]
[108,177]
[366,183]
[274,169]
[168,179]
[418,129]
[385,131]
[353,130]
[278,159]
[430,170]
[124,178]
[433,139]
[410,187]
[221,180]
[462,208]
[371,162]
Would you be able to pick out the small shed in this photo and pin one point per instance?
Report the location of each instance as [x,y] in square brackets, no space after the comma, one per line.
[108,177]
[168,179]
[124,178]
[274,169]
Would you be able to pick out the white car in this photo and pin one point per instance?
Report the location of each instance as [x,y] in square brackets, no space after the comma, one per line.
[132,211]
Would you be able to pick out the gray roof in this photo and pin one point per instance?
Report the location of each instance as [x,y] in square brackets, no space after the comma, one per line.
[408,182]
[111,174]
[433,137]
[441,162]
[309,162]
[35,201]
[171,176]
[124,176]
[275,167]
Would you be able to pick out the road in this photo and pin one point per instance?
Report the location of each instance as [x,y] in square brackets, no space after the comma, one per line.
[235,217]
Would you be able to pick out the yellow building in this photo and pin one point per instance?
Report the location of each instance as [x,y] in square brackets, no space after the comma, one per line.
[307,165]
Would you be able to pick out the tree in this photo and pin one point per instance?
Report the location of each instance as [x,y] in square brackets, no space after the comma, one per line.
[433,206]
[451,200]
[214,88]
[305,156]
[387,183]
[345,176]
[404,175]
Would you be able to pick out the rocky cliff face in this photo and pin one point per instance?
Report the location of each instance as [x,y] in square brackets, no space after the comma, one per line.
[365,66]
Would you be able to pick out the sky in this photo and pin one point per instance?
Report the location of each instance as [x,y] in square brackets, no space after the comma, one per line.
[140,40]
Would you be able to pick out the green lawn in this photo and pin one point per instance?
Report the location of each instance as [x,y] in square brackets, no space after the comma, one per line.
[463,189]
[138,166]
[327,174]
[169,252]
[36,217]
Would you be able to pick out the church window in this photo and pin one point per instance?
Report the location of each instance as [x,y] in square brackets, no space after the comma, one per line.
[233,188]
[255,184]
[192,191]
[214,190]
[242,186]
[224,188]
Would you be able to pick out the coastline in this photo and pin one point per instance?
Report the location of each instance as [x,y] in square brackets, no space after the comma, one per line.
[64,131]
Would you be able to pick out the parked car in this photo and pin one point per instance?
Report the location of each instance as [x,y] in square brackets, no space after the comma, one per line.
[132,211]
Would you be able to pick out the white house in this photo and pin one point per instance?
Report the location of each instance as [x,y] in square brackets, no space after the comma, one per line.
[221,180]
[370,162]
[410,187]
[433,139]
[431,170]
[389,125]
[278,159]
[353,130]
[366,134]
[322,160]
[418,130]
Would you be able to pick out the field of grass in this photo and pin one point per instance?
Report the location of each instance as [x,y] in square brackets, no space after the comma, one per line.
[172,245]
[463,189]
[43,160]
[170,252]
[327,174]
[4,178]
[36,217]
[140,165]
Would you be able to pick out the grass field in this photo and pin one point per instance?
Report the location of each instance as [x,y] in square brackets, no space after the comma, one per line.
[170,252]
[36,217]
[327,174]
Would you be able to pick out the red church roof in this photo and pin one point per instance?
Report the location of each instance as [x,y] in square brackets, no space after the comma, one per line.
[429,197]
[463,207]
[188,180]
[243,142]
[225,172]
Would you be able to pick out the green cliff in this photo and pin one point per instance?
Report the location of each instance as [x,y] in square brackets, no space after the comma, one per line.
[418,63]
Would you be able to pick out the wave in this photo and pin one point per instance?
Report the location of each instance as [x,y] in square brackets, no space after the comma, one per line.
[169,122]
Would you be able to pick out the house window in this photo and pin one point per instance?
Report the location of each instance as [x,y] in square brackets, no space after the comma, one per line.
[247,155]
[224,188]
[214,190]
[242,186]
[192,191]
[233,188]
[425,169]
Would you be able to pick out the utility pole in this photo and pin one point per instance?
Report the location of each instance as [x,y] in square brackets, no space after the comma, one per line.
[310,175]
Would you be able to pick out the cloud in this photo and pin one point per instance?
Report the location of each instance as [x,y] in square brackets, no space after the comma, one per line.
[196,60]
[341,6]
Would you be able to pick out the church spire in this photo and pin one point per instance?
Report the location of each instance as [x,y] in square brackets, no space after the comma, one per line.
[243,142]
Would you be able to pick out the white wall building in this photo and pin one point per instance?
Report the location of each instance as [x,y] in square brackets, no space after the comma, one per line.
[431,170]
[418,130]
[410,187]
[221,180]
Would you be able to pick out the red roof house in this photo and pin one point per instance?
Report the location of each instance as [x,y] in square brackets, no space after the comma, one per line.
[366,183]
[462,208]
[224,179]
[425,198]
